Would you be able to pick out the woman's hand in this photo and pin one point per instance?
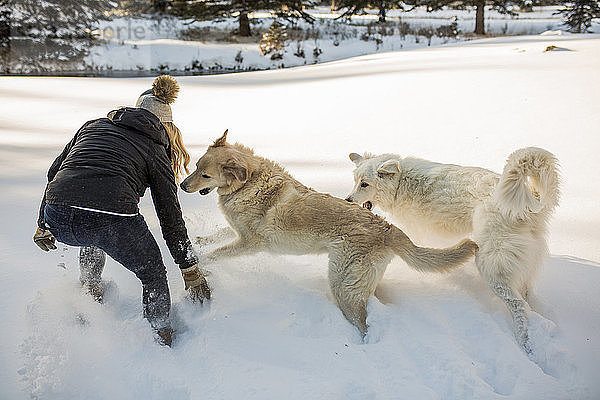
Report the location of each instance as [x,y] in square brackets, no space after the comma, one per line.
[195,283]
[44,239]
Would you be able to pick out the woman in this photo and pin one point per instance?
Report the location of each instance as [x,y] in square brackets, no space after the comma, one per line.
[92,196]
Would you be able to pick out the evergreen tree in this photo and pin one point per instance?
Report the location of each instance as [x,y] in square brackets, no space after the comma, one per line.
[502,6]
[353,7]
[579,14]
[45,34]
[273,41]
[208,9]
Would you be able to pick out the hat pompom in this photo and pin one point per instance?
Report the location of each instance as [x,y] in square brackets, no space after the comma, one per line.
[165,87]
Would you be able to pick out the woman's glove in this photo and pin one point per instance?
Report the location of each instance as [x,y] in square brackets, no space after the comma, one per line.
[195,283]
[44,239]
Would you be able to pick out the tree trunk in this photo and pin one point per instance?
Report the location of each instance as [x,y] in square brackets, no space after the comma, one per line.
[382,12]
[5,16]
[332,5]
[244,24]
[479,21]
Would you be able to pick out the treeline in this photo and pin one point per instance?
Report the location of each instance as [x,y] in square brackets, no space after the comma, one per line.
[578,13]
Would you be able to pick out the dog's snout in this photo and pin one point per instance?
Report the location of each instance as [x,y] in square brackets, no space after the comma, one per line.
[183,186]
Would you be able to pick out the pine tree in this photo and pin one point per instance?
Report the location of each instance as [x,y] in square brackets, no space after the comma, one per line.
[47,34]
[353,7]
[273,41]
[207,9]
[579,14]
[502,6]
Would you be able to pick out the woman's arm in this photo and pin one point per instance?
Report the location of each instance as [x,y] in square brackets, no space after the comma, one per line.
[164,195]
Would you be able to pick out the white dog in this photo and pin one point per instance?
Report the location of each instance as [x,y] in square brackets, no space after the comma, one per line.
[271,211]
[507,214]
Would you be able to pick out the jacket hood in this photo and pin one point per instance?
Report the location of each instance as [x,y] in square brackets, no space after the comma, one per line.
[141,120]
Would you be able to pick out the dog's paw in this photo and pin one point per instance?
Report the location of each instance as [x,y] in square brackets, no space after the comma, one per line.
[210,257]
[204,240]
[218,236]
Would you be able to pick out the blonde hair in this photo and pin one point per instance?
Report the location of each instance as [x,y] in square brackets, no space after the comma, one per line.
[180,158]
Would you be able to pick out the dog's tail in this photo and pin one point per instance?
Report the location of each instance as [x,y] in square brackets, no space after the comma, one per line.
[427,259]
[529,184]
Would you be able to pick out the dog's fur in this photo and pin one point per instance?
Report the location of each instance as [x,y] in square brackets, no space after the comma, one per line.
[271,211]
[506,214]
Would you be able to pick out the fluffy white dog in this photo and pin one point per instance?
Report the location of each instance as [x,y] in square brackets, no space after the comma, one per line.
[506,214]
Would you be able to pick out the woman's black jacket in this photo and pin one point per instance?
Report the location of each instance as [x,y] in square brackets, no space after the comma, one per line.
[109,164]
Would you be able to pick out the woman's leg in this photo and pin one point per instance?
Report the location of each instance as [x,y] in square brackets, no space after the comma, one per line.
[129,241]
[59,220]
[91,265]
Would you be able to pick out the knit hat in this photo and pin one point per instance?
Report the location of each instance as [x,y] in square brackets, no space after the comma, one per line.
[156,100]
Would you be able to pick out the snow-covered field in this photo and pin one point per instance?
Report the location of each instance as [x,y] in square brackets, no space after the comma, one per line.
[272,330]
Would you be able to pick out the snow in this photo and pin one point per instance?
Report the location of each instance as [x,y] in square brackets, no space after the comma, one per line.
[272,330]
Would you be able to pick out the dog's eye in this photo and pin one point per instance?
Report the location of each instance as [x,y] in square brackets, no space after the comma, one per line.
[205,176]
[364,184]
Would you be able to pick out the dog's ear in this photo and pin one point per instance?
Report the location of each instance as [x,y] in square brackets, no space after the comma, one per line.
[222,140]
[355,158]
[389,167]
[234,170]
